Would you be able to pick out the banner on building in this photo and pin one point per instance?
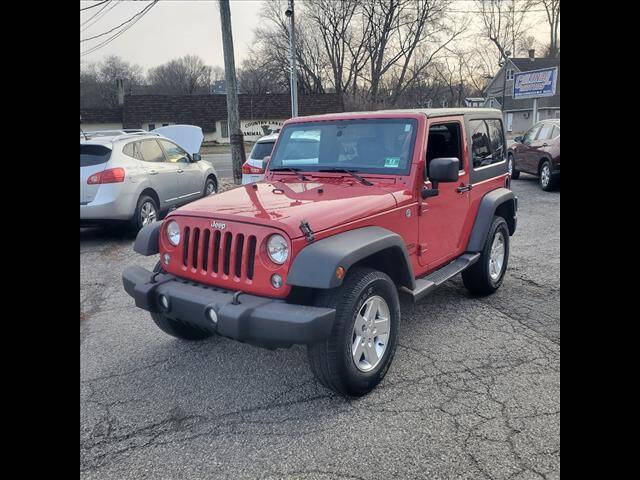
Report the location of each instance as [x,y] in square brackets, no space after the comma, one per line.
[535,83]
[252,130]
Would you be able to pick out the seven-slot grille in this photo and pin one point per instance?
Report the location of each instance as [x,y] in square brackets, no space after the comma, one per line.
[218,253]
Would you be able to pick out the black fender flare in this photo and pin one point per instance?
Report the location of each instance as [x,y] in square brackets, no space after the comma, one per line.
[491,202]
[148,239]
[315,266]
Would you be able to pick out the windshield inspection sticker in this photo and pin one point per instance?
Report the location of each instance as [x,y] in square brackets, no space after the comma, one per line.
[392,162]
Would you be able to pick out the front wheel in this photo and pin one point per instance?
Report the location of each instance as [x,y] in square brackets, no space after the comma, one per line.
[210,187]
[547,180]
[359,351]
[485,276]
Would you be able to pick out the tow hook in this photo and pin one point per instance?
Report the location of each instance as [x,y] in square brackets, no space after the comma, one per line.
[234,300]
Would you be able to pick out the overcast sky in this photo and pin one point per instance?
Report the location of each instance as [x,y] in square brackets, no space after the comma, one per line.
[174,28]
[170,29]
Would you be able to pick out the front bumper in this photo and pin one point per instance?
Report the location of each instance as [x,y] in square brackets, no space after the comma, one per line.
[262,321]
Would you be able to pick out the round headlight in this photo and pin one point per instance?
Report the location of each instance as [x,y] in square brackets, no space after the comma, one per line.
[278,249]
[173,233]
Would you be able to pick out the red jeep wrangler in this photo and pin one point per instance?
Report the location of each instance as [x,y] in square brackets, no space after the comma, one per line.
[354,208]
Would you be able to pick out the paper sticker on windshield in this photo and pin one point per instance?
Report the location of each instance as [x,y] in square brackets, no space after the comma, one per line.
[392,162]
[407,128]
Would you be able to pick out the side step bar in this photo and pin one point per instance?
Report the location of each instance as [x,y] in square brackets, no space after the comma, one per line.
[424,285]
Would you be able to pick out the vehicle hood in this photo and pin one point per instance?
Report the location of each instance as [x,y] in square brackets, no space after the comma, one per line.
[189,137]
[323,202]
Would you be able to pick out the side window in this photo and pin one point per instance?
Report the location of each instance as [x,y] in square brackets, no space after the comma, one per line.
[531,134]
[480,144]
[444,141]
[151,151]
[496,137]
[132,149]
[545,132]
[556,132]
[174,153]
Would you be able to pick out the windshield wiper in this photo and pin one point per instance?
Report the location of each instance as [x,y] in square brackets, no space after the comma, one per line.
[364,181]
[290,169]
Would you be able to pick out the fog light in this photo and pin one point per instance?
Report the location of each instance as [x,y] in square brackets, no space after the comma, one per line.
[164,301]
[340,273]
[166,258]
[213,316]
[276,280]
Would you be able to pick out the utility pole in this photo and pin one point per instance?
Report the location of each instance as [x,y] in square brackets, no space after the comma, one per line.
[235,134]
[292,60]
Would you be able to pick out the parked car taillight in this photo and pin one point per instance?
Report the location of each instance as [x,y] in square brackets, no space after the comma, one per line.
[110,175]
[248,169]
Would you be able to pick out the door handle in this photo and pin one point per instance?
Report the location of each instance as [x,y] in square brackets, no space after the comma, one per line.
[180,170]
[153,172]
[463,188]
[544,145]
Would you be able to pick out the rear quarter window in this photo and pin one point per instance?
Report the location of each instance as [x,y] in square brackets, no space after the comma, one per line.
[261,150]
[94,155]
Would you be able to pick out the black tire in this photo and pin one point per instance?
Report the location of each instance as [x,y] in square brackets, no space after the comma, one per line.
[137,222]
[551,182]
[477,278]
[211,180]
[331,360]
[515,174]
[178,328]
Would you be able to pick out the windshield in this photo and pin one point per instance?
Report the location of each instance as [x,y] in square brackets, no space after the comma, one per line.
[261,150]
[369,146]
[93,155]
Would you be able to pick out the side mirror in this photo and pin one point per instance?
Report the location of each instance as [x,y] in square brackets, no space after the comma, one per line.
[518,139]
[444,169]
[196,157]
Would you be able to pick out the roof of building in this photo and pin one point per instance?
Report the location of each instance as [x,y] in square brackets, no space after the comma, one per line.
[204,110]
[101,115]
[526,64]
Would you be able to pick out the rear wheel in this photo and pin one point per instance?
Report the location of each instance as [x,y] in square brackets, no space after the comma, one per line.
[511,164]
[146,212]
[547,180]
[485,276]
[175,327]
[358,352]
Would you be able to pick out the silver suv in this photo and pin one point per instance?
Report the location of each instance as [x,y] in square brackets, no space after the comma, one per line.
[137,176]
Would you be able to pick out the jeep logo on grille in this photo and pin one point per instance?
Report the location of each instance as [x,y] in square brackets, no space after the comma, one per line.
[219,225]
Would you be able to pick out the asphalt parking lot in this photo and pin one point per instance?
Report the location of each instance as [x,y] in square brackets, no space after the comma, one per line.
[474,390]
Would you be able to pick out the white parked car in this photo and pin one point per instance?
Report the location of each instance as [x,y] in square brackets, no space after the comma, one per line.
[137,176]
[253,169]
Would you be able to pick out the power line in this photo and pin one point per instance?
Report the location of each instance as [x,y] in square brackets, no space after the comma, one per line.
[123,23]
[116,35]
[94,5]
[99,15]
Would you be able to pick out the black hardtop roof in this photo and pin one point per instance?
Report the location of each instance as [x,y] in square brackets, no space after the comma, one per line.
[429,112]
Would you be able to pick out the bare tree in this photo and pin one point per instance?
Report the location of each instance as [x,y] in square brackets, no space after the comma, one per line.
[504,22]
[552,8]
[186,75]
[98,81]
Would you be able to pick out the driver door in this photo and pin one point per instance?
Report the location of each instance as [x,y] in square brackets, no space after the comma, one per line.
[441,220]
[524,152]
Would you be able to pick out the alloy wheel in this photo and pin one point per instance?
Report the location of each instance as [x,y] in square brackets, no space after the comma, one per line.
[496,258]
[370,335]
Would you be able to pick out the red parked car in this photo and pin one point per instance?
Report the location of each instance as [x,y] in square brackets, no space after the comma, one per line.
[538,152]
[354,209]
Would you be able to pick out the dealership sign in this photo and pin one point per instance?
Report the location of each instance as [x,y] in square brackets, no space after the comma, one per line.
[535,83]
